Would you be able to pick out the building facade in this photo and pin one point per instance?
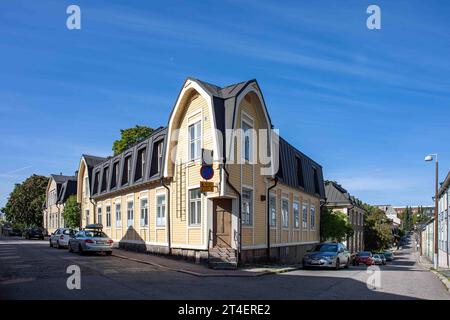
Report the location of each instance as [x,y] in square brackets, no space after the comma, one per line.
[59,188]
[443,228]
[391,213]
[338,199]
[150,197]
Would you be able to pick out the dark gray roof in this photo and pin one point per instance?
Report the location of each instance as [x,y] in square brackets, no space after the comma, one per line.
[68,188]
[98,172]
[290,158]
[445,184]
[92,161]
[60,180]
[336,195]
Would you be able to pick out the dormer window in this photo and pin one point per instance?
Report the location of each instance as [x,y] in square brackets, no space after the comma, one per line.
[140,165]
[96,181]
[115,175]
[104,179]
[126,170]
[300,179]
[316,181]
[157,154]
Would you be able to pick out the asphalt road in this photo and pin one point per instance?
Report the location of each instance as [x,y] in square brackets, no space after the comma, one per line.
[33,270]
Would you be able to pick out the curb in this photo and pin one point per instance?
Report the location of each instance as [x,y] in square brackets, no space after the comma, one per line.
[207,275]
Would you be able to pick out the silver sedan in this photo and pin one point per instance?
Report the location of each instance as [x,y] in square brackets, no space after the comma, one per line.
[91,241]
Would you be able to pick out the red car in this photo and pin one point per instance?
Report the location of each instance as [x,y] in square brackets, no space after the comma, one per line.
[364,257]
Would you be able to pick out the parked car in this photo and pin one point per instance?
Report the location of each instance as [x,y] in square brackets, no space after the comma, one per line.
[60,238]
[91,239]
[364,257]
[389,255]
[34,233]
[378,259]
[383,258]
[327,254]
[15,232]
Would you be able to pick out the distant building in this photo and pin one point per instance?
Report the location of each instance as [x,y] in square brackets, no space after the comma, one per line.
[391,213]
[59,189]
[426,210]
[338,199]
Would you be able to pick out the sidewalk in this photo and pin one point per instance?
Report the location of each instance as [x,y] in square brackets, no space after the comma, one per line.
[198,270]
[442,274]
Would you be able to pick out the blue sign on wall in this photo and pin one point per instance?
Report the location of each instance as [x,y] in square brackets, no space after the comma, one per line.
[207,172]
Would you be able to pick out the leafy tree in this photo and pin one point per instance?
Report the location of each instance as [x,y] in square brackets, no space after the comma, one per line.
[24,205]
[72,212]
[334,225]
[377,229]
[129,137]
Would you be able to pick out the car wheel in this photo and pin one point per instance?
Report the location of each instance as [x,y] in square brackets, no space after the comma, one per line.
[347,265]
[108,253]
[51,245]
[80,249]
[57,245]
[338,264]
[70,248]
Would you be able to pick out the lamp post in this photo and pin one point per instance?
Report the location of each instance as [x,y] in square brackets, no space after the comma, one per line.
[436,214]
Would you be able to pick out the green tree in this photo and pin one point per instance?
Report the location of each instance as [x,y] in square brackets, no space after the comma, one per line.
[24,205]
[377,229]
[129,137]
[72,212]
[334,225]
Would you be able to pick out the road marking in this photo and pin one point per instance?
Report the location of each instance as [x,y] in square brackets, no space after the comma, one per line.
[10,257]
[17,280]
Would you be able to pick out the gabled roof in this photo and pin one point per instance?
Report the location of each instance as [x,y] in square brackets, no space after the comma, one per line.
[338,196]
[92,161]
[68,188]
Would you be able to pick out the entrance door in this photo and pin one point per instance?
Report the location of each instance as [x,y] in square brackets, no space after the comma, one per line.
[222,222]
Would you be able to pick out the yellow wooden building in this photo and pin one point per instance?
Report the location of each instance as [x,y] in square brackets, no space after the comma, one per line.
[266,195]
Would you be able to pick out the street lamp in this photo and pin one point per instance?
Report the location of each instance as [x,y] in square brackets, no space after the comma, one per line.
[436,217]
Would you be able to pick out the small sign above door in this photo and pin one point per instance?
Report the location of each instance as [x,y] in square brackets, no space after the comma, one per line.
[206,186]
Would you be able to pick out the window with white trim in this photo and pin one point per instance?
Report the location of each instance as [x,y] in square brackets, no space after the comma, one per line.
[284,213]
[305,216]
[118,216]
[195,140]
[161,210]
[247,143]
[247,207]
[195,207]
[99,215]
[296,210]
[312,220]
[273,209]
[108,216]
[144,212]
[130,213]
[86,186]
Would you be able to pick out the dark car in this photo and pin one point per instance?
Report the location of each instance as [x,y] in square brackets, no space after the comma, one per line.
[34,233]
[364,257]
[15,232]
[389,256]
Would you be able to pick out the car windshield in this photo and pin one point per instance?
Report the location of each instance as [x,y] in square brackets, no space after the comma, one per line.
[326,248]
[95,234]
[376,256]
[69,231]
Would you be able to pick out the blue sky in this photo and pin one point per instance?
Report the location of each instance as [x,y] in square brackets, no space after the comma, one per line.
[367,105]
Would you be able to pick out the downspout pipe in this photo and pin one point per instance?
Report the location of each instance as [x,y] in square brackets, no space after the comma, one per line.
[169,239]
[268,217]
[240,209]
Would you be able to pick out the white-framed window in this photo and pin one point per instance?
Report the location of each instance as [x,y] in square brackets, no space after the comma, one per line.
[296,211]
[87,216]
[118,216]
[130,213]
[161,210]
[312,220]
[86,186]
[284,213]
[108,216]
[160,155]
[144,212]
[99,215]
[195,207]
[273,209]
[247,140]
[305,216]
[247,207]
[195,140]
